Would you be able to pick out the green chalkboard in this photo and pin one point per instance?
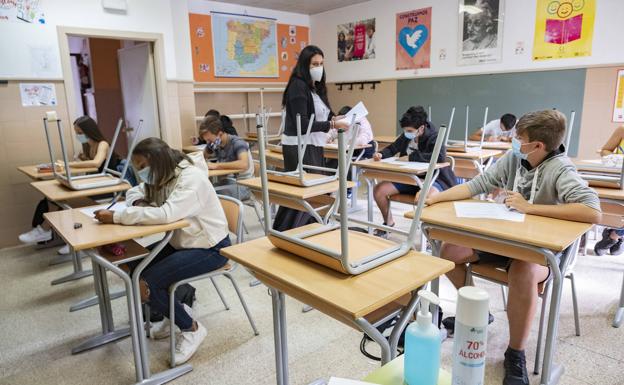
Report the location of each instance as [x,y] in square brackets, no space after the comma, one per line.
[516,93]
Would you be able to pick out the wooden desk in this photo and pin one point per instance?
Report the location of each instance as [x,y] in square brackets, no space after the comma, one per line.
[384,140]
[33,173]
[331,150]
[314,199]
[357,301]
[504,146]
[596,166]
[92,235]
[194,148]
[56,192]
[470,164]
[534,240]
[222,172]
[392,374]
[274,159]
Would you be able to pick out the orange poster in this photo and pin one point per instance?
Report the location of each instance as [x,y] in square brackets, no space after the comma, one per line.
[290,40]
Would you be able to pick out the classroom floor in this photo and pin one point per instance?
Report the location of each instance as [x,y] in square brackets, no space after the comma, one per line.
[37,332]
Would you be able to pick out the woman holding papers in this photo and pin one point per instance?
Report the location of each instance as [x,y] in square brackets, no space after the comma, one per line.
[305,94]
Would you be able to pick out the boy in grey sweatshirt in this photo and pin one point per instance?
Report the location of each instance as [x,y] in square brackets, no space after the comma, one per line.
[540,180]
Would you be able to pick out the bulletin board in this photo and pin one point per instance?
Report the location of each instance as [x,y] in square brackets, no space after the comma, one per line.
[290,40]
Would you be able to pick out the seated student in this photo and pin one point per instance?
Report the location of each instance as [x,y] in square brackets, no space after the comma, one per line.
[175,186]
[612,238]
[228,127]
[232,153]
[417,142]
[94,151]
[497,130]
[541,180]
[365,132]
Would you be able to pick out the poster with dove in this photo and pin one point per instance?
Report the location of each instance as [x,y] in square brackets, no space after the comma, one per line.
[413,41]
[480,31]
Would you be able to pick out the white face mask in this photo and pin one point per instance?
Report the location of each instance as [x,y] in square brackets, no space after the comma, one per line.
[316,73]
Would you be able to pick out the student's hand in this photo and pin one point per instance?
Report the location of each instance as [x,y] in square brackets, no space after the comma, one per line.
[104,216]
[492,139]
[338,124]
[516,201]
[338,117]
[212,165]
[194,140]
[505,139]
[377,156]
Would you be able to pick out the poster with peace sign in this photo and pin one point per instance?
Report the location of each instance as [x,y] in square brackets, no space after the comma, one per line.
[413,39]
[564,29]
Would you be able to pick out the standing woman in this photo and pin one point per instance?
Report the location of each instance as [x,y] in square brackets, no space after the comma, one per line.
[305,94]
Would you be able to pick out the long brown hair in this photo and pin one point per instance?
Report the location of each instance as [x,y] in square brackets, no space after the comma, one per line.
[163,163]
[91,130]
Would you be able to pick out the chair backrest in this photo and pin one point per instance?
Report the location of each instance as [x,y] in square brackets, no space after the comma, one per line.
[233,209]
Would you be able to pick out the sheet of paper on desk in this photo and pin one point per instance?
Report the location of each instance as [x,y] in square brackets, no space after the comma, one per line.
[359,111]
[406,164]
[345,381]
[200,147]
[90,211]
[487,211]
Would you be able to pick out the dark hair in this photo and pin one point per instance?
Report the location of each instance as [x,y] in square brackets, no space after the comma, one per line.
[414,117]
[91,130]
[212,113]
[344,110]
[343,36]
[547,126]
[210,124]
[163,161]
[302,71]
[508,121]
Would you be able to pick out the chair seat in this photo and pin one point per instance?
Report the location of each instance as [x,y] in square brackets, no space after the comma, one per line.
[361,246]
[496,272]
[133,251]
[408,199]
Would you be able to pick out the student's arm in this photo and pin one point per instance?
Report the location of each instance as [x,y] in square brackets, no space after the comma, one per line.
[135,194]
[476,135]
[569,211]
[455,193]
[98,159]
[242,163]
[613,142]
[425,155]
[394,148]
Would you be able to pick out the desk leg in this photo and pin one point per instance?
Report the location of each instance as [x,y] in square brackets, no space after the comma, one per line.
[354,190]
[78,272]
[279,336]
[375,335]
[550,372]
[109,334]
[435,284]
[619,313]
[92,301]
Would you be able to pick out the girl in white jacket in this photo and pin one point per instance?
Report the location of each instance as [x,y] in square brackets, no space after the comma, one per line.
[175,186]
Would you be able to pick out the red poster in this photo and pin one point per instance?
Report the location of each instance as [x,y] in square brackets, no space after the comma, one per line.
[359,41]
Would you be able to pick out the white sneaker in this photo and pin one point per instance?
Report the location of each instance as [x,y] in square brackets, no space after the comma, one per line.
[162,328]
[38,234]
[187,344]
[63,250]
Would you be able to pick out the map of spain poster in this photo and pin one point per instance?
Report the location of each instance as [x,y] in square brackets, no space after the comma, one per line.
[564,29]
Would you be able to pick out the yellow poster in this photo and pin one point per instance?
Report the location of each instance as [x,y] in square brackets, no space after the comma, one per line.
[563,29]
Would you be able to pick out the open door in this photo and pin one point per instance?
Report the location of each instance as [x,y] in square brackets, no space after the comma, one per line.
[138,88]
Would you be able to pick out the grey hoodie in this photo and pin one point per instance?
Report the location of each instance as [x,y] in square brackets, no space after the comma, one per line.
[557,180]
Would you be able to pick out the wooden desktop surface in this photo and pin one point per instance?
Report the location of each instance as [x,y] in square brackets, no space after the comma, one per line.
[294,191]
[480,154]
[549,233]
[93,234]
[610,193]
[341,296]
[222,172]
[32,171]
[595,166]
[55,191]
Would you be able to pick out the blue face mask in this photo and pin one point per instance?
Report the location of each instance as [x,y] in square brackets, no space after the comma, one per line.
[82,138]
[214,145]
[515,148]
[144,175]
[409,135]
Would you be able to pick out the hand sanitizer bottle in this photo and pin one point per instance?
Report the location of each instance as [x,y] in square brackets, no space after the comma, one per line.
[470,336]
[422,345]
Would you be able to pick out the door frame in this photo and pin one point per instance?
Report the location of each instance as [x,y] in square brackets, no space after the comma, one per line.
[166,132]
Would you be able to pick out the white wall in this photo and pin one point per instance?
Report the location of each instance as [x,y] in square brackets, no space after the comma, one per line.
[519,22]
[154,16]
[205,7]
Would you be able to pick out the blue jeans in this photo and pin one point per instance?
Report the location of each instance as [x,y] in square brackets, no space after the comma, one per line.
[171,266]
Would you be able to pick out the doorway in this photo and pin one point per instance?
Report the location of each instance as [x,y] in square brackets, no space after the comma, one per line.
[112,77]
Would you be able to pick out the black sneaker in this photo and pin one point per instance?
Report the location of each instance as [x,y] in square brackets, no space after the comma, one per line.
[382,233]
[617,249]
[515,368]
[449,324]
[603,245]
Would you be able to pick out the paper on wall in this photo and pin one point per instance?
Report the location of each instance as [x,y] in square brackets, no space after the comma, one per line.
[359,111]
[487,211]
[37,94]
